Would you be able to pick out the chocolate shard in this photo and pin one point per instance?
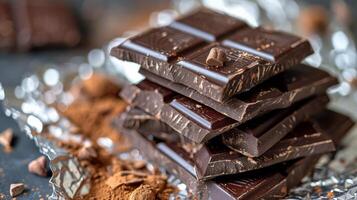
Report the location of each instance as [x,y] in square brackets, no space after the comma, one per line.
[256,136]
[45,23]
[178,53]
[7,31]
[271,182]
[280,91]
[215,159]
[191,119]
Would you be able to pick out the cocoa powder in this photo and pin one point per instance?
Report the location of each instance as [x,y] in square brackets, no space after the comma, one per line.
[110,177]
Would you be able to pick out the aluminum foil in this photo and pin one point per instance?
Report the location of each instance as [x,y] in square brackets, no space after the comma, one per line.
[29,104]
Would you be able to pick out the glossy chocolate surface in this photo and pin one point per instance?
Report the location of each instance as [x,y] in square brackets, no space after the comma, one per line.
[215,159]
[178,53]
[278,92]
[256,136]
[268,182]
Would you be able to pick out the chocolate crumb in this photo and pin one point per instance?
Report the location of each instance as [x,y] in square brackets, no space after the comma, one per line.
[139,164]
[216,57]
[16,189]
[86,153]
[144,192]
[6,138]
[99,86]
[38,166]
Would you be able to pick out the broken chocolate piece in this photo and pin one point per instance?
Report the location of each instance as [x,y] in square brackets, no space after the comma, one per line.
[269,182]
[215,159]
[256,136]
[16,189]
[179,55]
[281,91]
[191,119]
[216,57]
[6,138]
[86,153]
[38,166]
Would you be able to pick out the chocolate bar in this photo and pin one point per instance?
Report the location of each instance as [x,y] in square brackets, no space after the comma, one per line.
[268,182]
[7,32]
[255,137]
[191,119]
[194,120]
[280,91]
[43,23]
[178,52]
[215,159]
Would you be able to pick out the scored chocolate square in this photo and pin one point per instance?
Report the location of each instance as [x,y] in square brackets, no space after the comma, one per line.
[162,43]
[237,63]
[208,24]
[179,52]
[271,45]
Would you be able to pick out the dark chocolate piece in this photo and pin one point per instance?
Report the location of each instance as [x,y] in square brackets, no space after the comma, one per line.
[271,45]
[134,118]
[218,25]
[278,92]
[269,183]
[191,119]
[258,135]
[215,159]
[180,54]
[279,181]
[7,31]
[45,23]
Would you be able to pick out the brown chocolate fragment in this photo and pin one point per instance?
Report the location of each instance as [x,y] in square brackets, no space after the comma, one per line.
[119,179]
[6,138]
[216,57]
[16,189]
[99,85]
[144,192]
[86,153]
[38,166]
[313,20]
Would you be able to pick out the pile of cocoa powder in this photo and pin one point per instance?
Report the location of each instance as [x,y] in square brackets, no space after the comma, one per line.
[96,105]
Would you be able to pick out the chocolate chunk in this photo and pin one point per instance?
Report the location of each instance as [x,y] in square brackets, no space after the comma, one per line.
[180,54]
[16,189]
[216,57]
[191,119]
[86,153]
[6,138]
[38,166]
[215,159]
[278,92]
[45,23]
[7,31]
[218,25]
[258,135]
[265,183]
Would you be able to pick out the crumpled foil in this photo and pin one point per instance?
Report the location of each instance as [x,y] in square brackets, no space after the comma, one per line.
[30,105]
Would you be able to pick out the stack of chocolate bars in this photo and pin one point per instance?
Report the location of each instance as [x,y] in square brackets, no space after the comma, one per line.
[227,108]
